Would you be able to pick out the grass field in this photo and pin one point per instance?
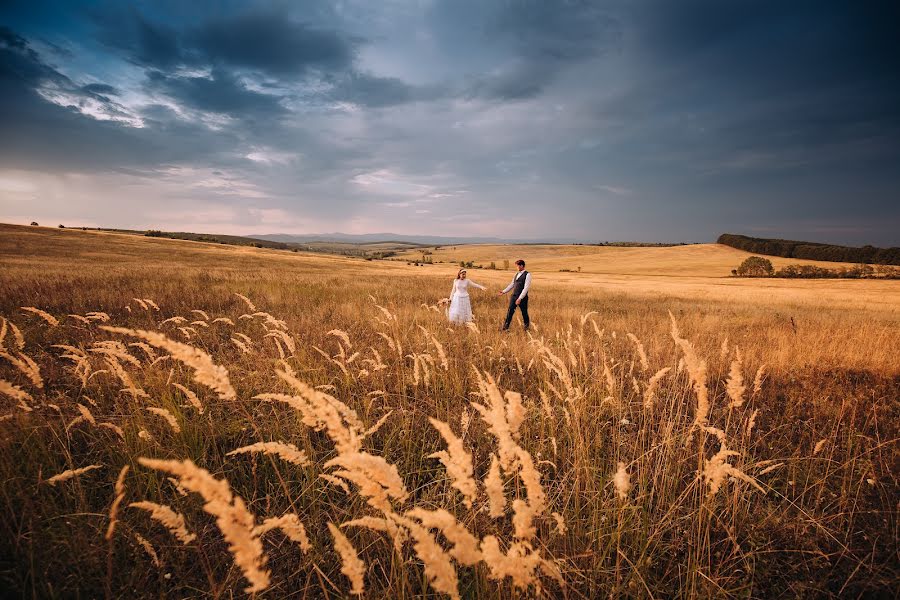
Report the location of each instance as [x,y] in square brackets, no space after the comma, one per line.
[693,260]
[687,272]
[664,431]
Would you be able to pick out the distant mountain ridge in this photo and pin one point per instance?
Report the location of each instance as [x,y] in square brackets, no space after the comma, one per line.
[369,238]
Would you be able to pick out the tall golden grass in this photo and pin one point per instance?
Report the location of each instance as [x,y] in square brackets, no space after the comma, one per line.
[308,426]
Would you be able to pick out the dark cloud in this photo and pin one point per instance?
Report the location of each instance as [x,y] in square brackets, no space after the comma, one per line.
[522,81]
[99,89]
[641,119]
[221,92]
[765,87]
[142,41]
[557,30]
[368,90]
[372,91]
[529,44]
[266,41]
[19,63]
[45,135]
[273,43]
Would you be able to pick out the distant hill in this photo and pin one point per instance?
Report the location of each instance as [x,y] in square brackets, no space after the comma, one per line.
[435,240]
[812,250]
[213,238]
[370,238]
[364,244]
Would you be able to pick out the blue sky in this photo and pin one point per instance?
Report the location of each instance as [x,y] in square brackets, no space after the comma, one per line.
[567,119]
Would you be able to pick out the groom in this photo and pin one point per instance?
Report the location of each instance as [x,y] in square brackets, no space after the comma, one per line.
[519,287]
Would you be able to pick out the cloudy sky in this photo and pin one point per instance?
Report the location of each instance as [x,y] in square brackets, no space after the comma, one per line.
[649,120]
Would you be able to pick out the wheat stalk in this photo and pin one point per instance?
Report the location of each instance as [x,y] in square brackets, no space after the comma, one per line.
[165,414]
[464,549]
[117,500]
[247,301]
[234,520]
[206,372]
[170,519]
[70,473]
[493,487]
[351,565]
[697,372]
[457,461]
[191,397]
[176,320]
[84,320]
[290,525]
[652,386]
[378,480]
[645,364]
[286,452]
[321,411]
[148,548]
[439,570]
[44,315]
[735,384]
[26,366]
[16,393]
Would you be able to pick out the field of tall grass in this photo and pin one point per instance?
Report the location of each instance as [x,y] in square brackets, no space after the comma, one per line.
[186,420]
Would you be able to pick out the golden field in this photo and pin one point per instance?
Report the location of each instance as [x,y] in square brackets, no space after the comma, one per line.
[699,260]
[664,431]
[688,272]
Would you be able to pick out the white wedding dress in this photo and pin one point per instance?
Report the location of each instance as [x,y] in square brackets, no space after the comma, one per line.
[460,306]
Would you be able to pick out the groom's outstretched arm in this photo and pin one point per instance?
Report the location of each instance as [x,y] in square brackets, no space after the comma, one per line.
[509,287]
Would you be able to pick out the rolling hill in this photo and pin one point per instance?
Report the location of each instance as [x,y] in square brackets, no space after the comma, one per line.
[695,260]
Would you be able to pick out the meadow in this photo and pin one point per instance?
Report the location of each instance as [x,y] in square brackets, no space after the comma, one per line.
[180,419]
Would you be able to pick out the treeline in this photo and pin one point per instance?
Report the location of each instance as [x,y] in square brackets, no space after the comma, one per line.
[757,266]
[869,255]
[860,271]
[231,240]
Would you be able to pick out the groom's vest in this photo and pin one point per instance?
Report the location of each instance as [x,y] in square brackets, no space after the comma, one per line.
[519,284]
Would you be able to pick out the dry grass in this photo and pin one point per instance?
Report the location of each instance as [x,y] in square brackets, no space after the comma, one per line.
[700,260]
[353,442]
[684,272]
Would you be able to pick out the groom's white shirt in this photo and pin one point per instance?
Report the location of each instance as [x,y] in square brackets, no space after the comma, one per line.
[524,289]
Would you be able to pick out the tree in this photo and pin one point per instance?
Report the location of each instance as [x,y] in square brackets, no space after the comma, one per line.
[756,266]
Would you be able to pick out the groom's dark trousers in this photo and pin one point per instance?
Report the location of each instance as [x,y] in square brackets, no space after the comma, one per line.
[523,306]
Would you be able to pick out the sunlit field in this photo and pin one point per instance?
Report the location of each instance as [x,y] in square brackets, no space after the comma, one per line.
[702,260]
[689,272]
[181,419]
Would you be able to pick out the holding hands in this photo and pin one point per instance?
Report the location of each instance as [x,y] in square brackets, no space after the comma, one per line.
[501,292]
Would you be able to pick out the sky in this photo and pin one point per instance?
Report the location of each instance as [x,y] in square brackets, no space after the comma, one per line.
[619,120]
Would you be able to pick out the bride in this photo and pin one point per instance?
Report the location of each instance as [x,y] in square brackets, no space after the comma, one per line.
[460,307]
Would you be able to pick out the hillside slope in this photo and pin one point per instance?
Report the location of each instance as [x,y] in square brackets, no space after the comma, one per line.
[696,260]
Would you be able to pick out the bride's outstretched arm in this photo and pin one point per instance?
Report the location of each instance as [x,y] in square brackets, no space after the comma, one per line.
[480,287]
